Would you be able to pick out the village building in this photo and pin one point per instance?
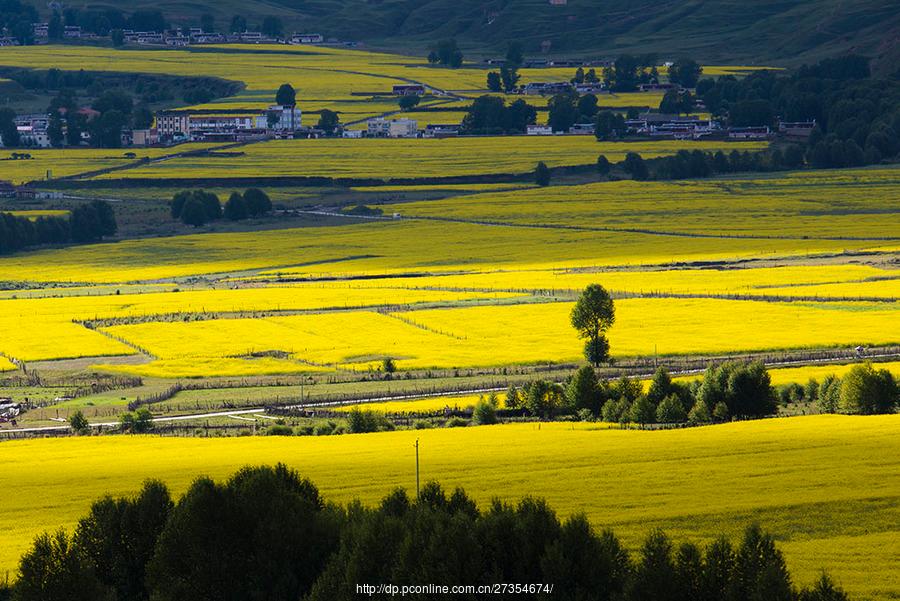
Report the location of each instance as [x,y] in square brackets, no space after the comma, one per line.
[750,133]
[307,38]
[442,130]
[409,90]
[539,130]
[172,123]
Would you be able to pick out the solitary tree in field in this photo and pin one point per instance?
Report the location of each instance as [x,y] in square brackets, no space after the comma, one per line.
[542,174]
[286,95]
[592,315]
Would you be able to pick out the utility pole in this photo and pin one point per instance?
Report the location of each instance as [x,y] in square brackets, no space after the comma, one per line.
[417,469]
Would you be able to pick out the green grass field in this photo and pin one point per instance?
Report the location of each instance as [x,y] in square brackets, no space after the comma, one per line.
[827,486]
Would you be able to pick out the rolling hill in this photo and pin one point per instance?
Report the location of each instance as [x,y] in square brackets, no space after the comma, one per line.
[762,31]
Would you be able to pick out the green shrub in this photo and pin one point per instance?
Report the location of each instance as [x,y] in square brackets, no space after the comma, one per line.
[279,430]
[457,422]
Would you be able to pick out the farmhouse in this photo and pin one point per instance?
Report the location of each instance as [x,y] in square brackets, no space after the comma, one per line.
[393,128]
[441,130]
[307,38]
[798,130]
[750,133]
[409,90]
[7,189]
[539,130]
[546,88]
[33,129]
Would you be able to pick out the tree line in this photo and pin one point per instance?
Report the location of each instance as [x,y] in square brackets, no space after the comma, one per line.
[857,116]
[267,533]
[199,207]
[85,223]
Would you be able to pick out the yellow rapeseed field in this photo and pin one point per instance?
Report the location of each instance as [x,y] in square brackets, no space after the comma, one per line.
[826,486]
[863,203]
[387,247]
[518,334]
[428,405]
[72,161]
[61,338]
[401,158]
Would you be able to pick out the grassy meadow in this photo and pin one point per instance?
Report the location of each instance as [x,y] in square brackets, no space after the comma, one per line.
[826,486]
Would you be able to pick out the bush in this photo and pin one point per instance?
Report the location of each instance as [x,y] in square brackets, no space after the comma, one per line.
[457,422]
[360,421]
[280,430]
[542,174]
[257,201]
[867,391]
[236,207]
[485,413]
[79,423]
[829,395]
[324,428]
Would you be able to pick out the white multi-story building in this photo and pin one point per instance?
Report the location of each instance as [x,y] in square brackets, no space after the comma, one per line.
[403,128]
[172,123]
[286,118]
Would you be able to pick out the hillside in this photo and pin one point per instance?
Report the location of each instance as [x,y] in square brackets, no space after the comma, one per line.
[780,31]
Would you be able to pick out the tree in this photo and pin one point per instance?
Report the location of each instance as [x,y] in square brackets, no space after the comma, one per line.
[271,26]
[264,534]
[194,212]
[208,23]
[867,391]
[593,314]
[760,572]
[55,131]
[433,57]
[642,411]
[235,207]
[494,83]
[751,113]
[699,414]
[609,125]
[634,166]
[329,121]
[238,24]
[257,201]
[79,423]
[514,54]
[55,29]
[603,165]
[448,53]
[56,570]
[671,411]
[513,397]
[542,398]
[388,365]
[485,413]
[562,111]
[118,537]
[509,77]
[655,573]
[685,72]
[823,590]
[286,95]
[587,108]
[596,350]
[9,134]
[583,391]
[409,102]
[542,174]
[829,394]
